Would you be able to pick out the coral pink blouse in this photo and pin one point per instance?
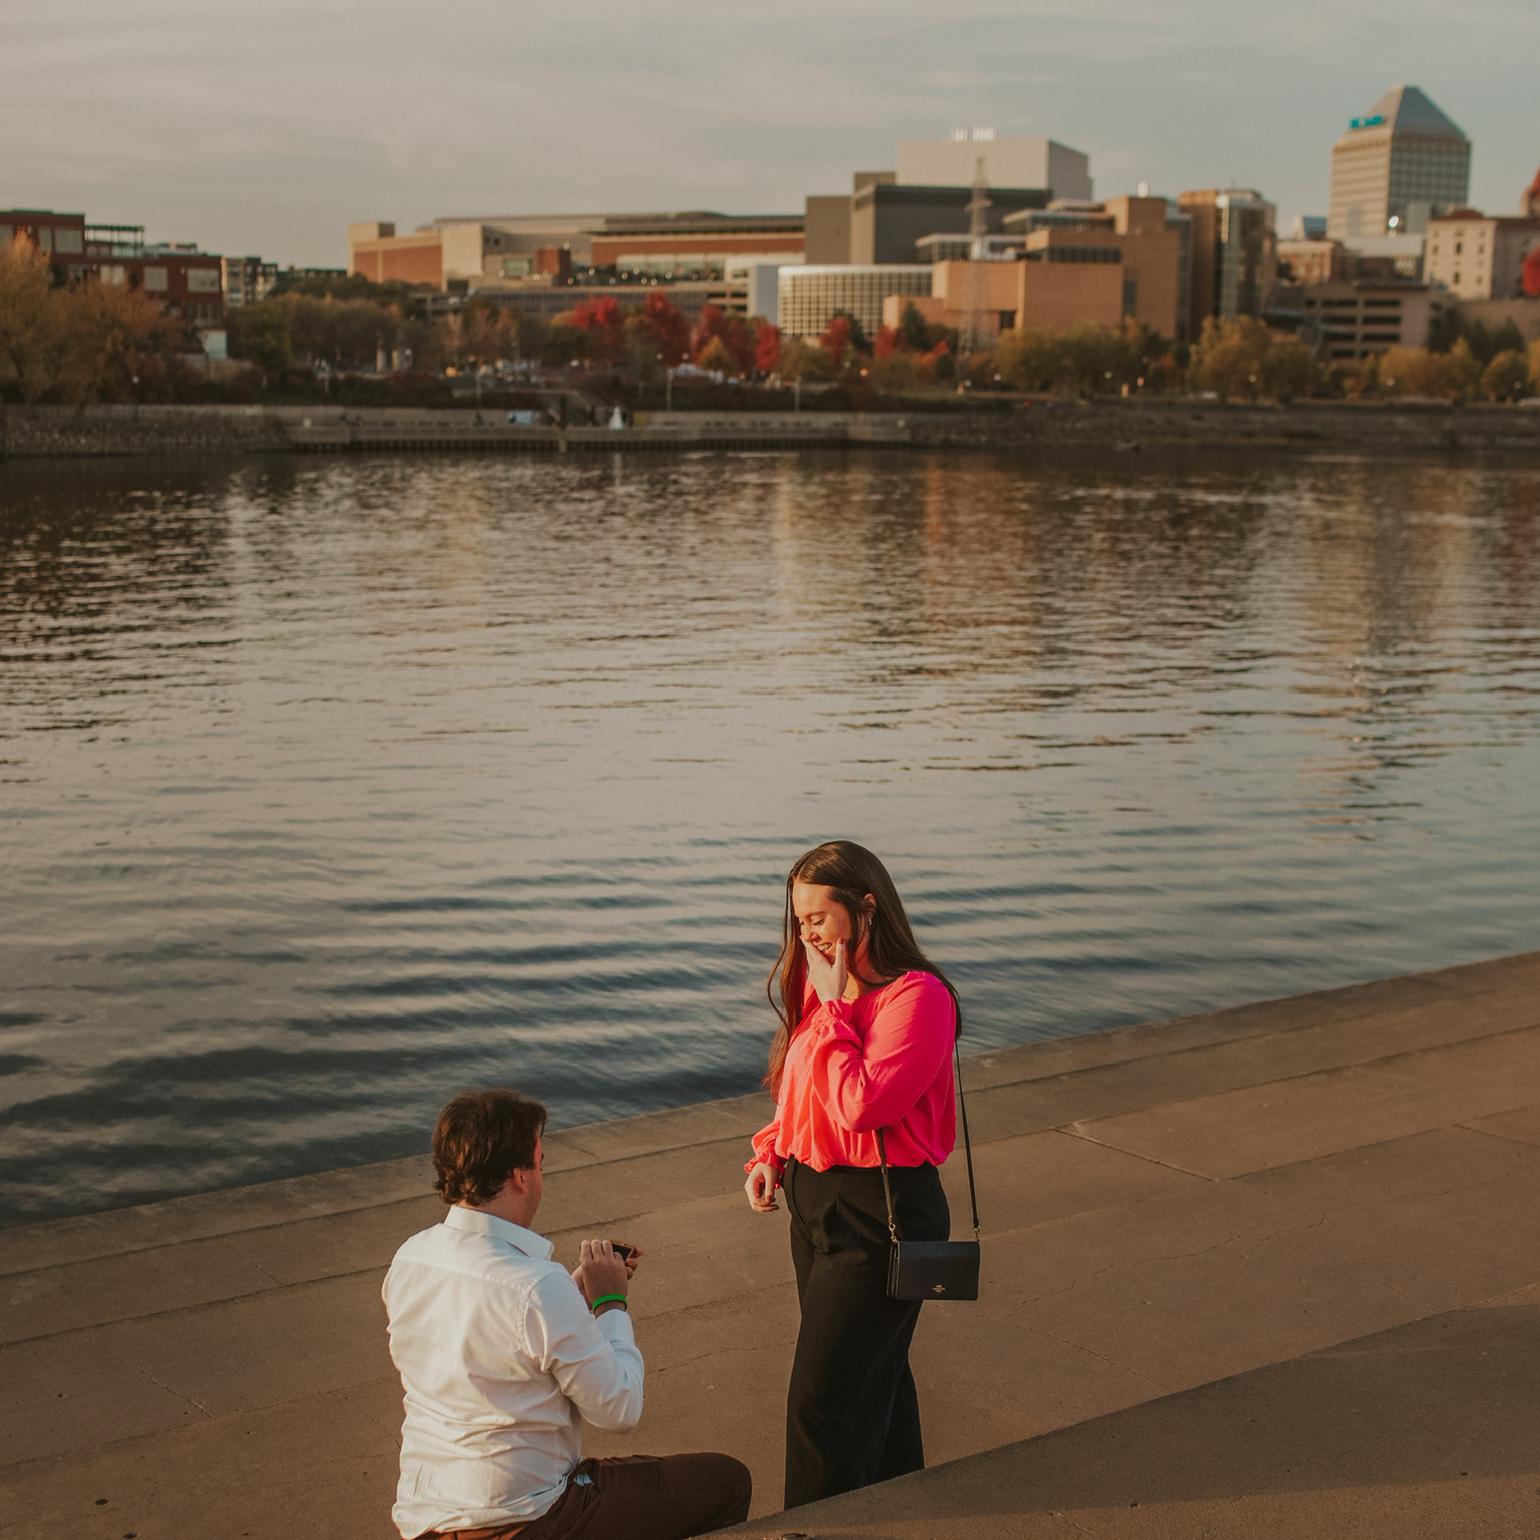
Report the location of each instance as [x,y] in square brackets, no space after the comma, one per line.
[854,1066]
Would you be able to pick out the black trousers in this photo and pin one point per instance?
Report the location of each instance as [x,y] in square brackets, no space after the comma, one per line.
[852,1411]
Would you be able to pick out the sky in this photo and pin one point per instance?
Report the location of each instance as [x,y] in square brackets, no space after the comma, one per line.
[266,128]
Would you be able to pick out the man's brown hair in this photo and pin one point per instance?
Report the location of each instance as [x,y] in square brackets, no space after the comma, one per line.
[480,1138]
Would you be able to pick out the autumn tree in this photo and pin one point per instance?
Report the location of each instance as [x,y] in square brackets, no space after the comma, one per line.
[601,322]
[767,346]
[733,332]
[1506,378]
[661,320]
[716,357]
[836,341]
[28,318]
[1241,359]
[116,344]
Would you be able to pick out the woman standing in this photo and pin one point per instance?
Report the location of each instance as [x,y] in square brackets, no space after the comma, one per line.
[865,1044]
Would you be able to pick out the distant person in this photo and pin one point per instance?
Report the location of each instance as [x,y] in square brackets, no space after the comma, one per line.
[503,1355]
[867,1030]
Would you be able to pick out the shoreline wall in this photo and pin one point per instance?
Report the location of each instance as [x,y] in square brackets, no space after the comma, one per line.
[41,432]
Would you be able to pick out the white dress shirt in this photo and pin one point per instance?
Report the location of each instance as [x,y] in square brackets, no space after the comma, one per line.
[501,1360]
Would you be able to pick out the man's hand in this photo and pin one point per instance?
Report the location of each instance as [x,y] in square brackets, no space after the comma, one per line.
[761,1187]
[600,1271]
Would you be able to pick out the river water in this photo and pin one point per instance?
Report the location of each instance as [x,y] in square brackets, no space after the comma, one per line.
[328,787]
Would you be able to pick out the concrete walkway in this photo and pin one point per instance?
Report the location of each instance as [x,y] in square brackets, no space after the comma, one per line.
[1270,1271]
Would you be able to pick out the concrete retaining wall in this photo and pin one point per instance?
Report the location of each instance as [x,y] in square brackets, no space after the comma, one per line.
[29,432]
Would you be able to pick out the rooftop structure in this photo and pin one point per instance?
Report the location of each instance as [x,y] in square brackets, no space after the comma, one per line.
[1008,162]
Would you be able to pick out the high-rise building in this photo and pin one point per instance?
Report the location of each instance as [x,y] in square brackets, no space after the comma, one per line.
[1234,253]
[1396,166]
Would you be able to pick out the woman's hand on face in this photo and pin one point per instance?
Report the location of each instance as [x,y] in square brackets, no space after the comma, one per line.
[827,978]
[761,1189]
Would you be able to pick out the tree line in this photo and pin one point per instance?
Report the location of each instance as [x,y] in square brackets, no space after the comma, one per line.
[94,342]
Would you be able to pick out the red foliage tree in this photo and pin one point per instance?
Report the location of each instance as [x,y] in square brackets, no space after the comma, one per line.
[668,326]
[732,331]
[889,341]
[767,347]
[604,325]
[836,341]
[1532,272]
[712,323]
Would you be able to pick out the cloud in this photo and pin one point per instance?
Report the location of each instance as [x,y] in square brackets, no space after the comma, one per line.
[269,128]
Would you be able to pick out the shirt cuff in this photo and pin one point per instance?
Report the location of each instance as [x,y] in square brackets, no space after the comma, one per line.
[771,1159]
[616,1325]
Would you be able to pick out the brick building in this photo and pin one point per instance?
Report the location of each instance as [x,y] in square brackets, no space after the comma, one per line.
[188,282]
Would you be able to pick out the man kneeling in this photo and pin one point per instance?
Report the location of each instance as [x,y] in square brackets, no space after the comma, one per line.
[503,1355]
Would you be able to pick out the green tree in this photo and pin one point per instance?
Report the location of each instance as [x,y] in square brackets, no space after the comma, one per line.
[800,360]
[1029,360]
[563,342]
[259,334]
[1289,369]
[914,331]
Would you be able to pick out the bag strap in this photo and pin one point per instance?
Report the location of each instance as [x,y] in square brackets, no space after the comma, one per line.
[973,1194]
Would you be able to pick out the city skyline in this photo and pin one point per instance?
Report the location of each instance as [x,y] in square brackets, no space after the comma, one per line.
[267,132]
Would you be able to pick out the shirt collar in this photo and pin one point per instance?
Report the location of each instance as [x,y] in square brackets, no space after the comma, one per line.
[477,1221]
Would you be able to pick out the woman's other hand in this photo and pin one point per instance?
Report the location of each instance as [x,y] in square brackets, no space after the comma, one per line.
[827,978]
[761,1187]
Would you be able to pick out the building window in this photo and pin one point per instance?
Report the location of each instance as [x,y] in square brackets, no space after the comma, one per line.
[71,242]
[202,280]
[155,280]
[114,276]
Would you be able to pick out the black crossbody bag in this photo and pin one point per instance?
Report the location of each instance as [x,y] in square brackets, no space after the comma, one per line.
[934,1269]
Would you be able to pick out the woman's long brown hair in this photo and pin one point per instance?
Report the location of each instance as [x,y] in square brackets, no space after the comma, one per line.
[851,872]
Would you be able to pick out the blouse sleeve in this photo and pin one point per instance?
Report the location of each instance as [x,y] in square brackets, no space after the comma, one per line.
[764,1146]
[874,1083]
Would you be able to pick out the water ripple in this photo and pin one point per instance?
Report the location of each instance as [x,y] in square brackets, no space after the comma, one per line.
[330,787]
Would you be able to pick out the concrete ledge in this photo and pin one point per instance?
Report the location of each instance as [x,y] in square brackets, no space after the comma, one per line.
[1165,1206]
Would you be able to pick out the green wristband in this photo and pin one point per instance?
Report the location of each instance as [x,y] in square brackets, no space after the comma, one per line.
[609,1299]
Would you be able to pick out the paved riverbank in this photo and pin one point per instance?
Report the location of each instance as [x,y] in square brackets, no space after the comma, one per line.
[1135,426]
[1269,1271]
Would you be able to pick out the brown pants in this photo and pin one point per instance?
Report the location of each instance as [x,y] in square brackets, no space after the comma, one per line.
[640,1497]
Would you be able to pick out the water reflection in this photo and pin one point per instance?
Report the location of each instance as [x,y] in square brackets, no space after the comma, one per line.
[333,785]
